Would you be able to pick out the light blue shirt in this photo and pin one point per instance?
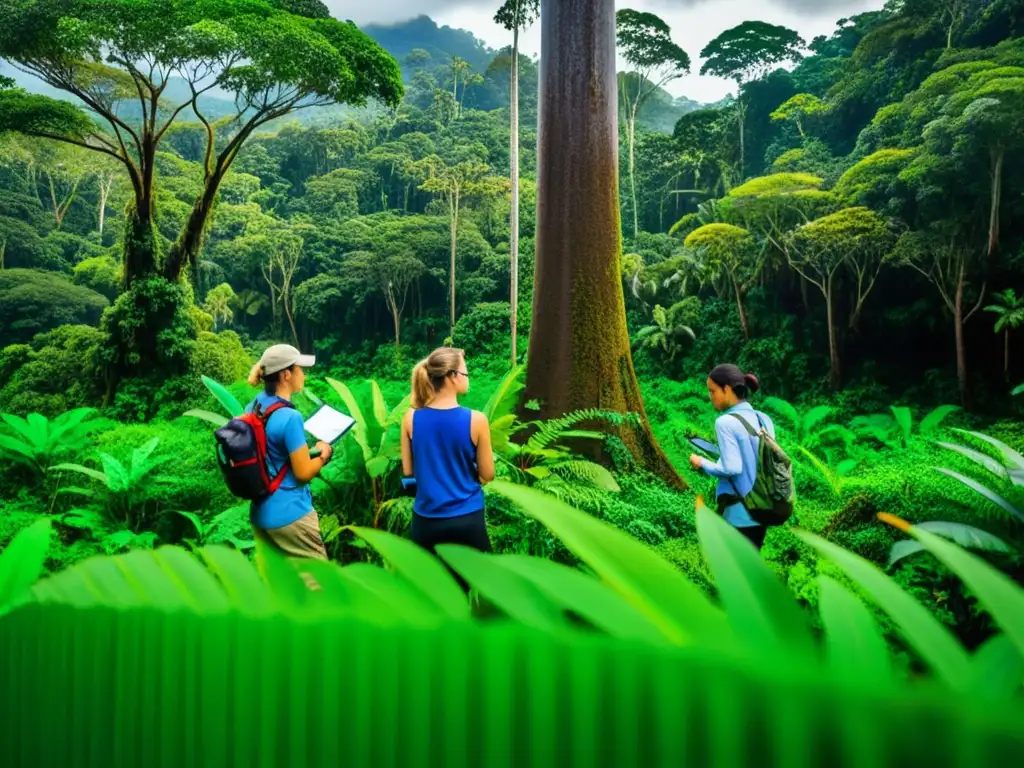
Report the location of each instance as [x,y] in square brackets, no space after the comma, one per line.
[736,467]
[292,500]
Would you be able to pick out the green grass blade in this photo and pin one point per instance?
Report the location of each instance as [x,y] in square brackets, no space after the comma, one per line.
[95,474]
[854,645]
[985,491]
[759,607]
[964,535]
[420,568]
[585,596]
[989,463]
[997,592]
[517,597]
[216,419]
[228,401]
[926,635]
[21,563]
[998,669]
[680,610]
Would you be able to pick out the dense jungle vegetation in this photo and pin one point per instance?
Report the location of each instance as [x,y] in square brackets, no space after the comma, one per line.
[849,226]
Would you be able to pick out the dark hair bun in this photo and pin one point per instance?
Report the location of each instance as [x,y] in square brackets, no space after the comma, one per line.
[751,381]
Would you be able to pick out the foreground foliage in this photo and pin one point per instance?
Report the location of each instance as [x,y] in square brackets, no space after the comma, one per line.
[549,634]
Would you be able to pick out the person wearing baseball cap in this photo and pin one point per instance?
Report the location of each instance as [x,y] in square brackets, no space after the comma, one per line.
[286,519]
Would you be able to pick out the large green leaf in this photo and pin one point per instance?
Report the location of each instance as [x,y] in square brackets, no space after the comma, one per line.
[854,645]
[213,418]
[380,408]
[998,670]
[964,535]
[396,594]
[360,429]
[505,397]
[585,596]
[239,579]
[996,591]
[759,607]
[985,491]
[21,562]
[421,569]
[17,449]
[931,423]
[813,418]
[784,409]
[517,597]
[226,399]
[677,607]
[904,420]
[95,474]
[992,465]
[932,641]
[25,430]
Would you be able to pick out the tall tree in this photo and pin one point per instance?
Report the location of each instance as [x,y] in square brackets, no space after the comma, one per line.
[1009,309]
[453,184]
[745,53]
[856,239]
[646,44]
[515,15]
[579,354]
[731,251]
[119,58]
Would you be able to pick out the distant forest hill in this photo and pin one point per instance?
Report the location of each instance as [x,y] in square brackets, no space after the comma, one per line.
[407,41]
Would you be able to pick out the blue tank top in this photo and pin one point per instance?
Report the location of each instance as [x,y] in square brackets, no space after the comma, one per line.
[444,460]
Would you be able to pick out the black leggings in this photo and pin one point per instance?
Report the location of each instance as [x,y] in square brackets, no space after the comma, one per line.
[469,530]
[755,534]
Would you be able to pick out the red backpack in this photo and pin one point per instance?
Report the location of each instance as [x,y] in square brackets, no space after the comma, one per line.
[242,454]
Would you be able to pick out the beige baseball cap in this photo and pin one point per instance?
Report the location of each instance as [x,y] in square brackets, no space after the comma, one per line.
[281,356]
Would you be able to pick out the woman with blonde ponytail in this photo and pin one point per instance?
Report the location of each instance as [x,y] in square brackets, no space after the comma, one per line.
[447,449]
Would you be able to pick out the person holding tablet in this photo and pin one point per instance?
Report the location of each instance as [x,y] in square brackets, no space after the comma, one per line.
[736,468]
[286,519]
[447,448]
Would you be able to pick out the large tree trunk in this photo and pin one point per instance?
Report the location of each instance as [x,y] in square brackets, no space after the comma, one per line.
[513,238]
[835,374]
[579,353]
[190,242]
[743,136]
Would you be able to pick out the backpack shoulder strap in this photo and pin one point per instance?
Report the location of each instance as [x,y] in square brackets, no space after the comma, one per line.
[264,415]
[746,425]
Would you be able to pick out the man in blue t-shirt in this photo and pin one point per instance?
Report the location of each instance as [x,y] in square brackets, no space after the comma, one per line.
[286,519]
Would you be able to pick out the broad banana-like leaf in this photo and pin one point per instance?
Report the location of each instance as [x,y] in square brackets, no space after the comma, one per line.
[21,562]
[228,401]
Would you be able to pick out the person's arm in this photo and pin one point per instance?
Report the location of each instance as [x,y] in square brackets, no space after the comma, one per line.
[304,467]
[481,434]
[730,460]
[407,467]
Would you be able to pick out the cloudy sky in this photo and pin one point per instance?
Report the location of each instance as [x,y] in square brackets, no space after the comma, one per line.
[694,23]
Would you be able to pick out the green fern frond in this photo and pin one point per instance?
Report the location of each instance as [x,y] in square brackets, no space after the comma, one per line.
[552,430]
[584,472]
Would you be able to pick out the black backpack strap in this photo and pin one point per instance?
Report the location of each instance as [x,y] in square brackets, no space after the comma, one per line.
[264,415]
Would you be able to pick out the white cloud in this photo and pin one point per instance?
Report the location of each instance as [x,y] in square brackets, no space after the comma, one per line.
[694,24]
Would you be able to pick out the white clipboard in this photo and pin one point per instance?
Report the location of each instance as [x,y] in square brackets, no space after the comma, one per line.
[329,425]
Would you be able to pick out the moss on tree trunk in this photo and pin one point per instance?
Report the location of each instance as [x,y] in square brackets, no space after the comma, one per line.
[579,355]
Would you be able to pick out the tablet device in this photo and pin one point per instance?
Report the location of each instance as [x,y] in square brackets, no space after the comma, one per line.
[329,425]
[705,446]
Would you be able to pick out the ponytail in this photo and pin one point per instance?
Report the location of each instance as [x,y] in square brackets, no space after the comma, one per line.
[429,374]
[743,384]
[422,390]
[256,375]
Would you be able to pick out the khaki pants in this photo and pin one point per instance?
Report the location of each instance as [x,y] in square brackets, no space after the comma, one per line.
[299,540]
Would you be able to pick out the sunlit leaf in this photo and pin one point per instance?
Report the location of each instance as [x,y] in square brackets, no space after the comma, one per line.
[854,645]
[228,401]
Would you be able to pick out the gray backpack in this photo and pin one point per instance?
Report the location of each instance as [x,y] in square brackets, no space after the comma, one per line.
[770,501]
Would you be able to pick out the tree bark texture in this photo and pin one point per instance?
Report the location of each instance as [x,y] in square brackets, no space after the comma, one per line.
[579,355]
